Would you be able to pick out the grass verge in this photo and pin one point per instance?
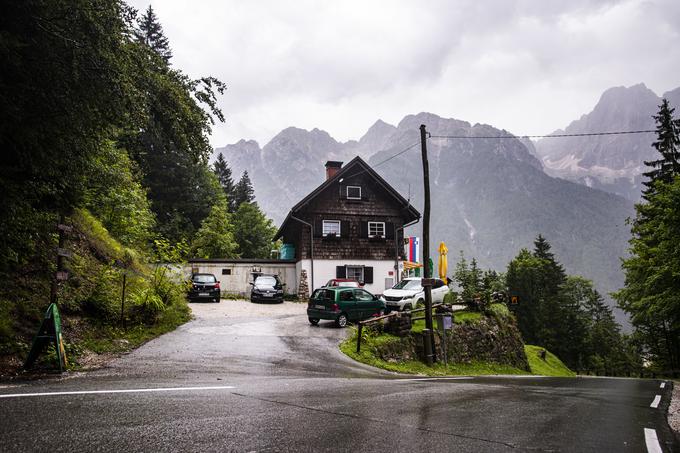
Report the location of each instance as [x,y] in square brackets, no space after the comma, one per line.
[366,356]
[551,366]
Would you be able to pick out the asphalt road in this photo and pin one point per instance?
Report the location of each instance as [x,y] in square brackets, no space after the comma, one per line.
[260,378]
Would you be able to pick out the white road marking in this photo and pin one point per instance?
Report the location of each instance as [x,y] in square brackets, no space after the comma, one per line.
[663,385]
[100,392]
[652,441]
[655,403]
[436,378]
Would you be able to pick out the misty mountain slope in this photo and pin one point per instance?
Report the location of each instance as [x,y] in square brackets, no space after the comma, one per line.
[612,163]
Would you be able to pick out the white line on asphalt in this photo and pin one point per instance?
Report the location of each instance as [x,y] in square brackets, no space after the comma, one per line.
[436,378]
[663,385]
[652,441]
[99,392]
[655,403]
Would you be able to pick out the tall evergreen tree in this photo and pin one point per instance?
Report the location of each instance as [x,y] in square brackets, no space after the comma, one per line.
[243,191]
[652,287]
[668,145]
[150,33]
[253,231]
[223,173]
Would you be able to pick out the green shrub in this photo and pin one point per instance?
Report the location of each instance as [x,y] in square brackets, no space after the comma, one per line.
[499,311]
[451,298]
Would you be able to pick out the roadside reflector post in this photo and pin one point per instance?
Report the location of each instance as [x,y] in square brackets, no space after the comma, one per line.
[359,338]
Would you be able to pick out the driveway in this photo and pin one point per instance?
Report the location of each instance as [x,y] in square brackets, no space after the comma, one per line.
[243,377]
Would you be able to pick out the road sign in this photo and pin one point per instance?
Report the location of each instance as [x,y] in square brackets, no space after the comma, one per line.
[427,282]
[63,252]
[62,276]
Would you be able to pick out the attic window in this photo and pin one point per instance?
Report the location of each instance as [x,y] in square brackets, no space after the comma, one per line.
[353,192]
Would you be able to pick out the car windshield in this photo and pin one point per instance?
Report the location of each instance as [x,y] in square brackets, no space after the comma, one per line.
[204,278]
[270,281]
[407,284]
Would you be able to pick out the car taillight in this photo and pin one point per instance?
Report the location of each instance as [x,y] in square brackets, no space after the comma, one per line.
[217,285]
[335,307]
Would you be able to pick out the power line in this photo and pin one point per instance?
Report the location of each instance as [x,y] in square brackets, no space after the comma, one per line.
[384,161]
[587,134]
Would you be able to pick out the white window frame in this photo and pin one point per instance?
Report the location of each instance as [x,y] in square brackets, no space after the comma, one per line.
[375,224]
[353,187]
[325,233]
[354,268]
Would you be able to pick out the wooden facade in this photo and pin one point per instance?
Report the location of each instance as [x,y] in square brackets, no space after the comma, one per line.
[354,215]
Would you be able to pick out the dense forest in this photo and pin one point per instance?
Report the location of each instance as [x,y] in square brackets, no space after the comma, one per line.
[100,132]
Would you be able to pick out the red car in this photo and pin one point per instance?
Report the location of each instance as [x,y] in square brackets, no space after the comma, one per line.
[348,282]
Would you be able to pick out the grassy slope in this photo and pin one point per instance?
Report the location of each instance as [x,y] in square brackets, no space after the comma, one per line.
[348,347]
[552,366]
[97,259]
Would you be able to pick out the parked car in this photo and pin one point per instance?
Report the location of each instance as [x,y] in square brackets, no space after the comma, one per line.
[342,305]
[267,288]
[204,287]
[347,282]
[406,294]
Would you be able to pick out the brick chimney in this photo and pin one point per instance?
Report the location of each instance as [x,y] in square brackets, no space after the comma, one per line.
[332,167]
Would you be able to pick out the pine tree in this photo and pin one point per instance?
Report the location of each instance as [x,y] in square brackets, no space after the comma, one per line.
[253,231]
[215,238]
[150,32]
[223,173]
[243,192]
[668,145]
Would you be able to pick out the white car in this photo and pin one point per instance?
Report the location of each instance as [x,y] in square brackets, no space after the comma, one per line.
[406,294]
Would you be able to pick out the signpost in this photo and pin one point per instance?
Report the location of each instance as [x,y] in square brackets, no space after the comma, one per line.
[49,332]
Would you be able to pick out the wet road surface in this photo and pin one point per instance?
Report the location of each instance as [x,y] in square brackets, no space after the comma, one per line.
[244,377]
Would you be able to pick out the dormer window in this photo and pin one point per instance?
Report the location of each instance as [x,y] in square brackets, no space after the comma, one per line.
[353,192]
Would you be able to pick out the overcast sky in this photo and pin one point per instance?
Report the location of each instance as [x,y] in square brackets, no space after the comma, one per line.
[526,66]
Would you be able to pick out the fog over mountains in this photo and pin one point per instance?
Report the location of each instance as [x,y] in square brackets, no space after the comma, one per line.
[490,197]
[612,163]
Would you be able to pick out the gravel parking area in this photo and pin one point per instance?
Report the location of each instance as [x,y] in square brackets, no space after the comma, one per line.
[246,309]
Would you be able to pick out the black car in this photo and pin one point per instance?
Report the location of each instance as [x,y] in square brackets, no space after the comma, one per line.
[204,287]
[267,288]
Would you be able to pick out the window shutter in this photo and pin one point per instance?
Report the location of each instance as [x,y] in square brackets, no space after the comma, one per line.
[368,274]
[340,272]
[389,230]
[318,228]
[344,228]
[364,229]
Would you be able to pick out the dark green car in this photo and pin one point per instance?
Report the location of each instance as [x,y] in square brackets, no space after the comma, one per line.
[343,304]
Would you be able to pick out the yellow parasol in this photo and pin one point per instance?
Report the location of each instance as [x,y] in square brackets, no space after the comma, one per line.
[443,261]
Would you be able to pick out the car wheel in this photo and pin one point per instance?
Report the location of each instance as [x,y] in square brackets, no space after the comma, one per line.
[217,300]
[407,307]
[341,321]
[314,321]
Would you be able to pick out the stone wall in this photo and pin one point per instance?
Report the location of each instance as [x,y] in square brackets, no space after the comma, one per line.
[491,340]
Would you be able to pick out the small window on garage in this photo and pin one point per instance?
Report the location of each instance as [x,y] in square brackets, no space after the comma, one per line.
[353,192]
[226,271]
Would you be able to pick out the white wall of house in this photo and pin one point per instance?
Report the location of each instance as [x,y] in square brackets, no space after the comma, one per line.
[324,270]
[235,278]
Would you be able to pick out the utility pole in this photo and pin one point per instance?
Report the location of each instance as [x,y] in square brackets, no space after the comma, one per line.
[427,282]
